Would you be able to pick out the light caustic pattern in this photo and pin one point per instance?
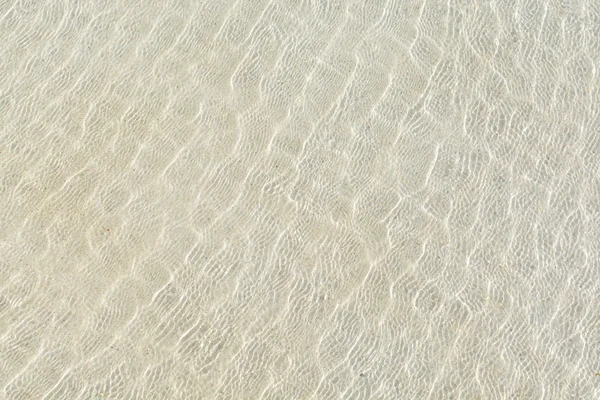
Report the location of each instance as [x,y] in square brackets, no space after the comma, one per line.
[319,199]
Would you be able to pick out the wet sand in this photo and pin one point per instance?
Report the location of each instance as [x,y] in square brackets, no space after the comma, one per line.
[299,200]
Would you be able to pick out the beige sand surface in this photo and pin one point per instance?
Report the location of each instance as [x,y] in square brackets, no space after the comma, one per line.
[299,199]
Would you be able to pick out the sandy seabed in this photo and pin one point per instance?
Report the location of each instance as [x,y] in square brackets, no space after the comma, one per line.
[299,199]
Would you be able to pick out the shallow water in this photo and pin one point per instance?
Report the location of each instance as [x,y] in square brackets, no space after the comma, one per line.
[299,199]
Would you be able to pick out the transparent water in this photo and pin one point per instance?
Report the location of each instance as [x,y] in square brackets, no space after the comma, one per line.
[299,199]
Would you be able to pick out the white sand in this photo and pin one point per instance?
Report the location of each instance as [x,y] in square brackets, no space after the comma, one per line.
[292,199]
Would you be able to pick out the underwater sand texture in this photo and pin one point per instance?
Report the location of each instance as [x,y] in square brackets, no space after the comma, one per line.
[299,199]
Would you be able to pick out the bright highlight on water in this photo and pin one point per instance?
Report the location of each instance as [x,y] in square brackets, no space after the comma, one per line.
[316,199]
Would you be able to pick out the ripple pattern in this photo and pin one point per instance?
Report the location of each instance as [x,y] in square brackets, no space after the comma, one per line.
[317,199]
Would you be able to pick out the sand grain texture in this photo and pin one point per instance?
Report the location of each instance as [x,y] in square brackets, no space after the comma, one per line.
[312,199]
